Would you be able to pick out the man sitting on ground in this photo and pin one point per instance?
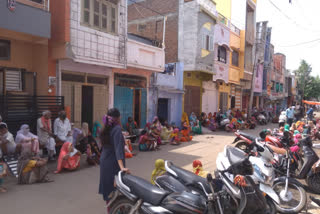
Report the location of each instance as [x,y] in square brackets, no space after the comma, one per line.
[45,135]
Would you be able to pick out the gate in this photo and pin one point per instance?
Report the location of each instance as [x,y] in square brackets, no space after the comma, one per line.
[192,99]
[17,110]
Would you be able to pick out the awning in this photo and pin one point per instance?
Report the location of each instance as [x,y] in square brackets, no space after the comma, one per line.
[311,102]
[224,45]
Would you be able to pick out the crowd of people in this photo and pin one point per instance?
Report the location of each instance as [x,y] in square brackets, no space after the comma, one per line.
[33,151]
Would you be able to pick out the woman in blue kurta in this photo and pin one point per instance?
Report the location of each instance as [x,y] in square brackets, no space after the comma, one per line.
[112,158]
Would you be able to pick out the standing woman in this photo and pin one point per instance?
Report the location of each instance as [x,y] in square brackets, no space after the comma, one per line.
[112,158]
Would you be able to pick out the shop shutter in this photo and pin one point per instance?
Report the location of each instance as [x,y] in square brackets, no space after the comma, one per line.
[13,80]
[123,101]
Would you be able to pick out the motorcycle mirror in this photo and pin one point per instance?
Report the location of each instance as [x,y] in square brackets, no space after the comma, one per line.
[209,177]
[260,149]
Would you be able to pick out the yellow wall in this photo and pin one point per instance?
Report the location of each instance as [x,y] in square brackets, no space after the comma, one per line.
[241,58]
[234,71]
[224,7]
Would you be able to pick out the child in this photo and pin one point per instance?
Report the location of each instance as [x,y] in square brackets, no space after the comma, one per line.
[3,173]
[198,170]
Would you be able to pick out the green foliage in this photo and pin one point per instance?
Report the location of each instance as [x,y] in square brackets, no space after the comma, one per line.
[307,84]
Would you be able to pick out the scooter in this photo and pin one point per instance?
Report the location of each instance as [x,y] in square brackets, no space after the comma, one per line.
[262,174]
[135,195]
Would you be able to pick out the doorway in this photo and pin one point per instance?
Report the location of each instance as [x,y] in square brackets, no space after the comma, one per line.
[192,99]
[223,102]
[163,109]
[87,105]
[137,103]
[233,102]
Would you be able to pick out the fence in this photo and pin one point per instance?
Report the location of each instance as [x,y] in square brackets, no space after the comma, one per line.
[20,109]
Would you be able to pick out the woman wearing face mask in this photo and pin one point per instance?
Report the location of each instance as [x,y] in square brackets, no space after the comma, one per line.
[69,158]
[24,132]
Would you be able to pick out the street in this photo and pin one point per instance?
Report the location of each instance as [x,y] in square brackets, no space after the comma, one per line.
[77,192]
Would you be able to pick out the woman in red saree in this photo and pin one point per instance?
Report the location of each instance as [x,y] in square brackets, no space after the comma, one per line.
[185,132]
[67,159]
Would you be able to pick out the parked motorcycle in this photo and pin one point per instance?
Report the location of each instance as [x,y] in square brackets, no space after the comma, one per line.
[135,195]
[307,168]
[288,188]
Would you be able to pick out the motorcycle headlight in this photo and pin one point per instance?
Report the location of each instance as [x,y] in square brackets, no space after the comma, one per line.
[261,176]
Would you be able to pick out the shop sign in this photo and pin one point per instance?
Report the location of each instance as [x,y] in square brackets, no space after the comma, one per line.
[12,5]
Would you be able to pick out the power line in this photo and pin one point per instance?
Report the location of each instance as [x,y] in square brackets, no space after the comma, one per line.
[302,43]
[148,8]
[288,17]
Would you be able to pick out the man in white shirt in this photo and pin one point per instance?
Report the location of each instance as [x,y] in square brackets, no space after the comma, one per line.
[62,128]
[45,134]
[7,144]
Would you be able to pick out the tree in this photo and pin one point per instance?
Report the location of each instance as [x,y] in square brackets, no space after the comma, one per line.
[312,88]
[303,76]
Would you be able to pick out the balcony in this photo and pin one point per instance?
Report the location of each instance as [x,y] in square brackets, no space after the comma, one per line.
[30,17]
[209,6]
[222,71]
[145,56]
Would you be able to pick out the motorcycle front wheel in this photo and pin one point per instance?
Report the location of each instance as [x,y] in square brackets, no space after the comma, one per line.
[122,206]
[271,207]
[313,182]
[293,201]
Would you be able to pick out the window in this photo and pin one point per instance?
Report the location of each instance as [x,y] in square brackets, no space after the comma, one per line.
[100,14]
[207,42]
[235,58]
[5,50]
[13,80]
[222,54]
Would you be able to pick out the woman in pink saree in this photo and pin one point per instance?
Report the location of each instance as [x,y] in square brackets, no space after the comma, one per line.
[68,159]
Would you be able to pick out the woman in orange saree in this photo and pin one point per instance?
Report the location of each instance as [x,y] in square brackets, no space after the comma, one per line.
[185,133]
[69,158]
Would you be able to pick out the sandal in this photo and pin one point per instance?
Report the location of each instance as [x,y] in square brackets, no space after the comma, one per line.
[3,190]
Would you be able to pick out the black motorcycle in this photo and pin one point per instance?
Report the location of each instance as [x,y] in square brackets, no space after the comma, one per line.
[135,195]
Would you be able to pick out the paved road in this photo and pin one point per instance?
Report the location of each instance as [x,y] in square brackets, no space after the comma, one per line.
[76,192]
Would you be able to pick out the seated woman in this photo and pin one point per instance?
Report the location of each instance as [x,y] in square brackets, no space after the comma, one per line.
[146,142]
[31,169]
[69,158]
[185,119]
[158,170]
[166,131]
[212,125]
[204,119]
[7,144]
[195,124]
[185,133]
[96,132]
[156,130]
[132,127]
[23,133]
[175,137]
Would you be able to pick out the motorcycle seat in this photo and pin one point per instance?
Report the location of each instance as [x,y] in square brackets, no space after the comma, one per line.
[189,178]
[144,190]
[235,155]
[248,136]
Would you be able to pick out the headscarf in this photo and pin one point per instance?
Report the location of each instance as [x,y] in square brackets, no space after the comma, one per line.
[95,130]
[159,170]
[109,121]
[296,132]
[155,119]
[46,122]
[156,123]
[193,117]
[65,149]
[85,129]
[185,118]
[198,170]
[24,133]
[297,137]
[286,128]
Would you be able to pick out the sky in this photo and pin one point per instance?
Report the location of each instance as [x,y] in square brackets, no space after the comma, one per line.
[297,23]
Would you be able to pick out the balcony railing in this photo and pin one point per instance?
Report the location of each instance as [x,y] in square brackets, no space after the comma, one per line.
[234,29]
[41,4]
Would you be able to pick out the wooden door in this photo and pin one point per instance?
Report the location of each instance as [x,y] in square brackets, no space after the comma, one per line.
[192,100]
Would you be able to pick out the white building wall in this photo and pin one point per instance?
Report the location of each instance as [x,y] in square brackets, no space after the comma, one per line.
[95,47]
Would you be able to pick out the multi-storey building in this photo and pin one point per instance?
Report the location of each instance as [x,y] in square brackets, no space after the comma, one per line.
[95,64]
[188,37]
